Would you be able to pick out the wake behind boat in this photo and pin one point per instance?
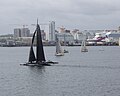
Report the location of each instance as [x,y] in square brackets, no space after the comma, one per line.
[39,59]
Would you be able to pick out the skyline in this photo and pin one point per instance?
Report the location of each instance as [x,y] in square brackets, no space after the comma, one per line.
[72,14]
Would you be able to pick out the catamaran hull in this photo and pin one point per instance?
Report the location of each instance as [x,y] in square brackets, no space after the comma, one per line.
[36,64]
[84,50]
[48,63]
[59,54]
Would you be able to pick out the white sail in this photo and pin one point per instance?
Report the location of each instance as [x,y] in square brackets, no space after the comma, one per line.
[83,46]
[59,51]
[119,41]
[65,51]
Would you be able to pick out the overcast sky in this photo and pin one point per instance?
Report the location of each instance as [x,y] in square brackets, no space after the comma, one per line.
[80,14]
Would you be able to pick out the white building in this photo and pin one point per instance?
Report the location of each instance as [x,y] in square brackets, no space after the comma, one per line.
[113,36]
[78,36]
[65,37]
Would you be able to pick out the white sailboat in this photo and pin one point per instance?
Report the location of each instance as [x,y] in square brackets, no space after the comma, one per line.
[65,51]
[83,46]
[119,41]
[59,51]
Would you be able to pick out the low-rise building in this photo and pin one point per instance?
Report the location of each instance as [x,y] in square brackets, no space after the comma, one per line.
[113,36]
[65,37]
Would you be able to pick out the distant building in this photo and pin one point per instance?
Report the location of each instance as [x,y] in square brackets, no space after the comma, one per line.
[52,31]
[113,36]
[43,35]
[65,37]
[21,32]
[24,40]
[78,36]
[10,42]
[119,29]
[25,32]
[89,35]
[17,32]
[67,31]
[75,31]
[61,29]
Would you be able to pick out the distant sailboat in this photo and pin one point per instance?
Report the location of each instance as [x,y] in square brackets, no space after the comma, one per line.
[119,42]
[65,51]
[83,46]
[59,51]
[39,60]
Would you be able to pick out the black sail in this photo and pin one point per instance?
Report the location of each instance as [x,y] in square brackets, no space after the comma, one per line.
[40,57]
[32,55]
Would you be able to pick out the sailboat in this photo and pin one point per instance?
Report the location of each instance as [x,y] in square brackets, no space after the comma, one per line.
[39,59]
[119,41]
[59,51]
[83,46]
[65,51]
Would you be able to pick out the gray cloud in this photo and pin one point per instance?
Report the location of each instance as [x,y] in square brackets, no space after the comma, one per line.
[81,14]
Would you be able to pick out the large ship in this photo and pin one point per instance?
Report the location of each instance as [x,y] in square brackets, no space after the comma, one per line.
[104,37]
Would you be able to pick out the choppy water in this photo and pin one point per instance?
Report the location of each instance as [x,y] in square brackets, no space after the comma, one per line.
[95,73]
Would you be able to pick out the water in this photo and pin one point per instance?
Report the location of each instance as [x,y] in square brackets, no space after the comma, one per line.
[95,73]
